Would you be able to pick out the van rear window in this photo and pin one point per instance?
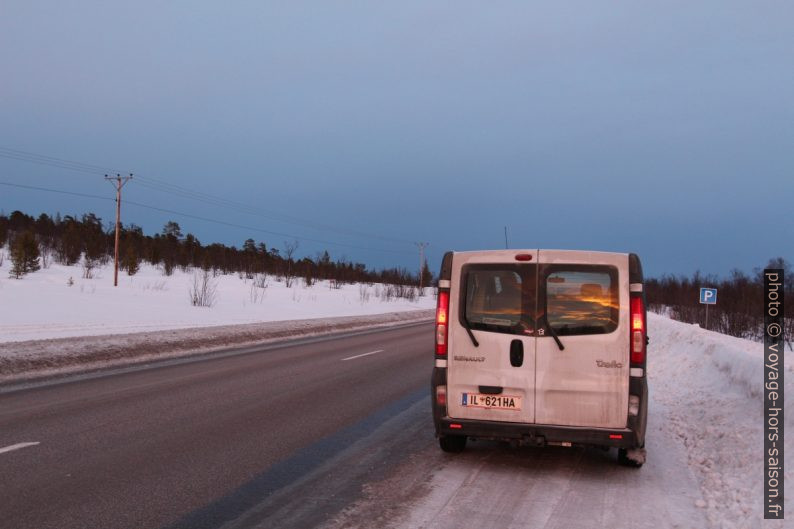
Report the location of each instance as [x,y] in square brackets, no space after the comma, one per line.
[500,298]
[582,299]
[572,299]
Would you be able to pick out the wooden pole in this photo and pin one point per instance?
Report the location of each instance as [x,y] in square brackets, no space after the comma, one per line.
[119,181]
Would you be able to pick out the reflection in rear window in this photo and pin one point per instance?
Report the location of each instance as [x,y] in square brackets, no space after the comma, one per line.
[582,301]
[498,298]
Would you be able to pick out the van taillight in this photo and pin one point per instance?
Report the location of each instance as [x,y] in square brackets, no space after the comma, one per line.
[638,331]
[442,317]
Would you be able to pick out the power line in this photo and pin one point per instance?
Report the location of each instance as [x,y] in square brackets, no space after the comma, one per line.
[191,194]
[233,225]
[240,207]
[36,188]
[52,164]
[206,219]
[246,208]
[15,154]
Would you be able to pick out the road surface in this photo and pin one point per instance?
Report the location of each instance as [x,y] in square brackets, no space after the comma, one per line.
[163,446]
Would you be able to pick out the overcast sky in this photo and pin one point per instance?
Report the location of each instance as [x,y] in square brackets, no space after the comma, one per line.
[665,128]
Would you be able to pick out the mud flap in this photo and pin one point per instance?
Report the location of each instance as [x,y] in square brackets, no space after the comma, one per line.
[635,456]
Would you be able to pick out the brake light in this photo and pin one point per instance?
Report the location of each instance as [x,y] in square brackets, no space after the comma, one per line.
[615,436]
[442,317]
[636,314]
[637,330]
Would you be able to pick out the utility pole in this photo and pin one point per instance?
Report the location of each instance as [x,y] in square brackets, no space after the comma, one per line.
[118,182]
[505,237]
[421,246]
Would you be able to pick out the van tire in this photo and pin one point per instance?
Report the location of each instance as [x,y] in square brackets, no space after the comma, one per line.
[453,444]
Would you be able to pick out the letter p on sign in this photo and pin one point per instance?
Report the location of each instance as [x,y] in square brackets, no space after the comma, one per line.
[708,296]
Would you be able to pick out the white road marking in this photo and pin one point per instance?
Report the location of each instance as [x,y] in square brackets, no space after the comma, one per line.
[17,447]
[365,354]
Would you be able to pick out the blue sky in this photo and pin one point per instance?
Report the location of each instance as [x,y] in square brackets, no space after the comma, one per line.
[666,129]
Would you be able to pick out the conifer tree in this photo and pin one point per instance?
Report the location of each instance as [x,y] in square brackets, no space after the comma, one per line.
[24,255]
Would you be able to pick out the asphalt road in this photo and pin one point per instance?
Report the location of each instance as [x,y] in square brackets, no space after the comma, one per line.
[214,441]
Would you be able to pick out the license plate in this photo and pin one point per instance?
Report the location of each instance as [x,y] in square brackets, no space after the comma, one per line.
[491,402]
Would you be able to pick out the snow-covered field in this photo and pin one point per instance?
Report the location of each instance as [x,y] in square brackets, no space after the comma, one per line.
[44,305]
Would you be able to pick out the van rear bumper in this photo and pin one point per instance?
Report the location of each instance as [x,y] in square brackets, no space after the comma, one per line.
[537,434]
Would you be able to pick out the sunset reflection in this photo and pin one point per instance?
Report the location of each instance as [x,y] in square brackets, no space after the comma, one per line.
[581,302]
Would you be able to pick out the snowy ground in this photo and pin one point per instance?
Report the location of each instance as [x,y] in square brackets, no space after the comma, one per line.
[711,385]
[704,469]
[43,305]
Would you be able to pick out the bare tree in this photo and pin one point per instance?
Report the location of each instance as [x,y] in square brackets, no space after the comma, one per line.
[256,294]
[204,290]
[258,288]
[289,268]
[363,293]
[89,265]
[260,280]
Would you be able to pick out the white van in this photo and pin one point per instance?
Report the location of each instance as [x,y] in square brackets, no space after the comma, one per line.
[541,347]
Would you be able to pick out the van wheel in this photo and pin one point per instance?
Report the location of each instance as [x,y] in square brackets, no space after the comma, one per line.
[454,444]
[633,457]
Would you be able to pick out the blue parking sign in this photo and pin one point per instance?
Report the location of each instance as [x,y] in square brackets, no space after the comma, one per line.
[708,296]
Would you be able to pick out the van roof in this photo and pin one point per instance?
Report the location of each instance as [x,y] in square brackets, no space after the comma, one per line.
[635,265]
[519,250]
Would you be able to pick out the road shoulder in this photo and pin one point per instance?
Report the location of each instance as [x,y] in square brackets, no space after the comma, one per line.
[25,361]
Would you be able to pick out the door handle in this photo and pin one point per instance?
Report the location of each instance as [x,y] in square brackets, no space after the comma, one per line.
[516,353]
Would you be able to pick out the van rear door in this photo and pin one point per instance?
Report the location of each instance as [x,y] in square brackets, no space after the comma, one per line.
[493,296]
[584,301]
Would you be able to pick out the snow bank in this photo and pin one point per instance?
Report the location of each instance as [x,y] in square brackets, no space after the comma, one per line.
[712,386]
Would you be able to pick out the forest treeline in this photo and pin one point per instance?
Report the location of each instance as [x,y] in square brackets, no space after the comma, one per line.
[69,240]
[740,300]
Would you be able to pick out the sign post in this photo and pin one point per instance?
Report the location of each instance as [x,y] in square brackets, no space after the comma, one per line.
[708,296]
